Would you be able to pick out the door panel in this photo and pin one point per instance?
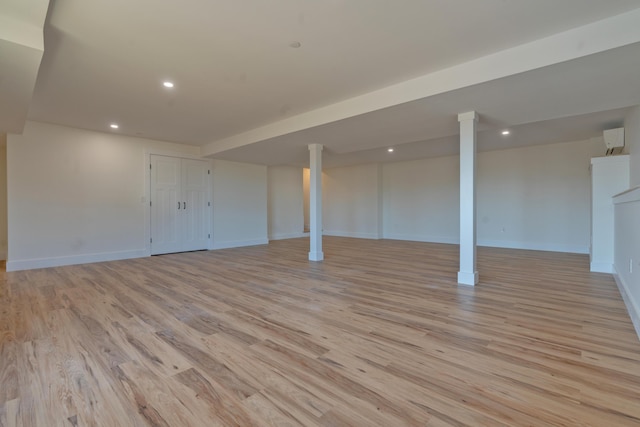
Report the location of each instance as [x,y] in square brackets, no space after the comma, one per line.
[194,192]
[179,205]
[165,220]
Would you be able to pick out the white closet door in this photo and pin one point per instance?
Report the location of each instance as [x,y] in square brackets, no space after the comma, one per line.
[194,197]
[166,207]
[179,205]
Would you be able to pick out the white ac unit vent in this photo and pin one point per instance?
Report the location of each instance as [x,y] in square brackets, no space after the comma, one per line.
[614,140]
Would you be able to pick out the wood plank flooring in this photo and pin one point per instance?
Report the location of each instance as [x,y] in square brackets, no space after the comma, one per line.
[377,335]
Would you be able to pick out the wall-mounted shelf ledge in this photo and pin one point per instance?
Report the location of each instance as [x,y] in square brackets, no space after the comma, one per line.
[628,196]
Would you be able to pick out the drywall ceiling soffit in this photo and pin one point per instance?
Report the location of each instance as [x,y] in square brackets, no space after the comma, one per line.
[575,128]
[21,49]
[586,41]
[540,99]
[234,69]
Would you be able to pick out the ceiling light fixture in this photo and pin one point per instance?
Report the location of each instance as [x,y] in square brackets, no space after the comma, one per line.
[295,44]
[505,132]
[114,126]
[167,84]
[390,150]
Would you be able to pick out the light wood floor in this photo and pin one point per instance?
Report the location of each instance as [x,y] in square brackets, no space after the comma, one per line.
[377,335]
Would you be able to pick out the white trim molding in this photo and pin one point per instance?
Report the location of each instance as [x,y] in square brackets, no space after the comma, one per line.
[632,307]
[506,244]
[601,267]
[422,238]
[288,236]
[534,246]
[30,264]
[627,253]
[238,243]
[354,235]
[629,196]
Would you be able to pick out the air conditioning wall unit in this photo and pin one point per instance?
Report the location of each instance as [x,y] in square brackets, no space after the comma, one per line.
[614,141]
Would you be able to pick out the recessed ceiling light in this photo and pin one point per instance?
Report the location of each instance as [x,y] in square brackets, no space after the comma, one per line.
[505,132]
[390,150]
[167,84]
[114,126]
[295,44]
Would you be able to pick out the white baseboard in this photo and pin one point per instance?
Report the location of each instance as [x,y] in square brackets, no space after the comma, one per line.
[373,236]
[469,279]
[420,238]
[507,244]
[632,306]
[601,267]
[288,236]
[30,264]
[534,246]
[238,243]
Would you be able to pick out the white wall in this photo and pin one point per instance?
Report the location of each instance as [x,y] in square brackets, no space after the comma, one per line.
[421,200]
[535,197]
[285,202]
[627,252]
[351,201]
[609,176]
[627,224]
[239,204]
[632,143]
[3,196]
[76,196]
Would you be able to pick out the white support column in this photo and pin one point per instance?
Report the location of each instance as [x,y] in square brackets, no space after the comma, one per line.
[315,202]
[468,275]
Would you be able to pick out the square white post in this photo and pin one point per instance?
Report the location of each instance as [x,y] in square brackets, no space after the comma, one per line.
[315,202]
[468,275]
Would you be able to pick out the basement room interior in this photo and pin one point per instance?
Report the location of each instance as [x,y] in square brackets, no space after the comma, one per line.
[338,213]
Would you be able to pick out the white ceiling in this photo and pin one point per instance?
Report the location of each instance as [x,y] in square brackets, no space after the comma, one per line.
[21,48]
[286,151]
[570,101]
[234,71]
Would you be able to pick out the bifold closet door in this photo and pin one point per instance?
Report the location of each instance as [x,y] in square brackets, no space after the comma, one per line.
[179,205]
[165,205]
[195,176]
